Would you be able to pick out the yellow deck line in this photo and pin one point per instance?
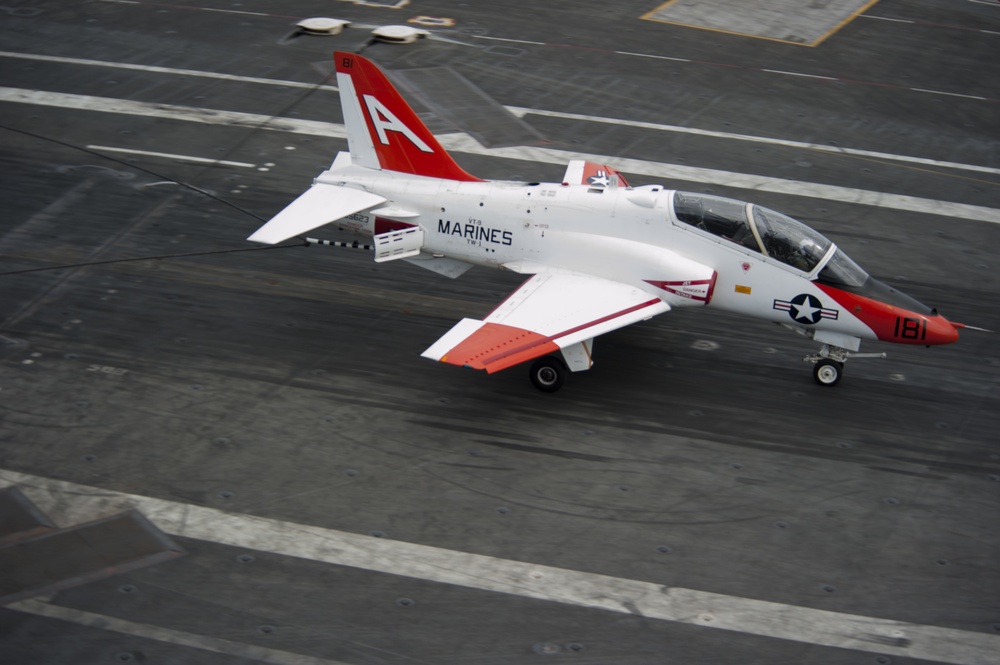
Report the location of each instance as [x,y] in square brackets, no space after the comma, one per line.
[650,16]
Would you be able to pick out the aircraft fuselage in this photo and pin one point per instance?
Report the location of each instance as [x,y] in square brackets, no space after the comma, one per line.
[633,235]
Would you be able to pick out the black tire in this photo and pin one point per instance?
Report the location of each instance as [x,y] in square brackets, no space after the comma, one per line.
[548,374]
[828,372]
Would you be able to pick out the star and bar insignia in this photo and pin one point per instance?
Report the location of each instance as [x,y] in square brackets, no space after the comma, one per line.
[806,308]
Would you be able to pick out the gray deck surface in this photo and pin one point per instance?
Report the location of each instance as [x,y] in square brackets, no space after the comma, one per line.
[695,498]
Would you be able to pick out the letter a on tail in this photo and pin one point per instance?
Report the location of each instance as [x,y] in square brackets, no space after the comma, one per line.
[382,130]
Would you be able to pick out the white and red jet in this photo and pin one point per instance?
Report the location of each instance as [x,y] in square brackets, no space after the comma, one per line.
[601,254]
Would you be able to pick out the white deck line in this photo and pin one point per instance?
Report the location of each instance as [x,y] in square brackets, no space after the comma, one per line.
[163,70]
[249,652]
[466,144]
[70,503]
[169,155]
[521,112]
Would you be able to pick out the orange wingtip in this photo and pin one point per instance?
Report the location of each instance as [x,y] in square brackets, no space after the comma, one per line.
[495,347]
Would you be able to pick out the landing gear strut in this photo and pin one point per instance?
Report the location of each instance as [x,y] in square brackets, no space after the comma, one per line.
[829,363]
[548,374]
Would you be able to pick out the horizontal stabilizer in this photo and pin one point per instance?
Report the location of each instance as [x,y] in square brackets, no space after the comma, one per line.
[319,205]
[599,176]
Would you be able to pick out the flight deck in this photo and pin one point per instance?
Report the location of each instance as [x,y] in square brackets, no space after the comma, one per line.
[213,451]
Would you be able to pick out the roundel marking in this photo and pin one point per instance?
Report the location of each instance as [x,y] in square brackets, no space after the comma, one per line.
[806,309]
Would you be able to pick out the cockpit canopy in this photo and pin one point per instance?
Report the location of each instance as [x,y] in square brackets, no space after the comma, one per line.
[766,231]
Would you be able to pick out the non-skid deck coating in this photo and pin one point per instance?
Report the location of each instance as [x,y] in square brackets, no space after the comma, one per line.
[694,498]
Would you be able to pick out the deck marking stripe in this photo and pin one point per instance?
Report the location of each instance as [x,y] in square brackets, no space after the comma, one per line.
[466,144]
[944,26]
[521,112]
[199,9]
[886,18]
[164,70]
[69,503]
[250,652]
[168,155]
[808,76]
[514,41]
[297,84]
[950,94]
[656,57]
[675,172]
[233,11]
[733,65]
[172,112]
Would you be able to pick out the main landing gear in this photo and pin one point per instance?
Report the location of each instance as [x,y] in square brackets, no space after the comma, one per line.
[829,363]
[548,374]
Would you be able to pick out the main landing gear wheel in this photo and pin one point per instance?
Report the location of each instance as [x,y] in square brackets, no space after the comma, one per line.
[548,374]
[828,372]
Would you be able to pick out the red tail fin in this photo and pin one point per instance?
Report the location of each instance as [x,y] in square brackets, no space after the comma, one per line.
[383,132]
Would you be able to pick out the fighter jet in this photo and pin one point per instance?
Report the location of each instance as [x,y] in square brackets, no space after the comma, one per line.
[600,253]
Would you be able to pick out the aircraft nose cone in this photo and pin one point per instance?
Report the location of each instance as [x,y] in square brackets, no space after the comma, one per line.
[941,331]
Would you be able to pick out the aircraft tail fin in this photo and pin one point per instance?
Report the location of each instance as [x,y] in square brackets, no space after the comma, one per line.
[383,132]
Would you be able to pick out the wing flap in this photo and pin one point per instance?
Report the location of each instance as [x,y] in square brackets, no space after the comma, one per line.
[490,346]
[317,206]
[547,313]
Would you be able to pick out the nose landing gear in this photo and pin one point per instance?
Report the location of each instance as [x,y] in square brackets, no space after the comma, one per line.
[828,372]
[829,363]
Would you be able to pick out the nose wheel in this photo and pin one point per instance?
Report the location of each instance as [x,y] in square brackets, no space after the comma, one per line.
[829,363]
[828,372]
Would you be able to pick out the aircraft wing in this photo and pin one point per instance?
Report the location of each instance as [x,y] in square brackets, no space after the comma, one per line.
[318,205]
[582,172]
[548,312]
